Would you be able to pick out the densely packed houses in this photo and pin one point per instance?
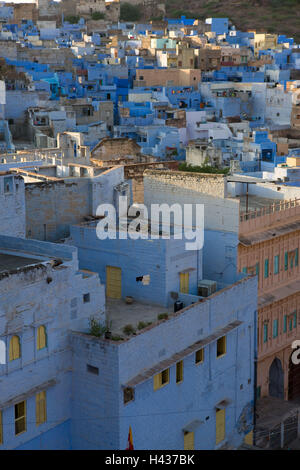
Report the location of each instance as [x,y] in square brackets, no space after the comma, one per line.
[105,335]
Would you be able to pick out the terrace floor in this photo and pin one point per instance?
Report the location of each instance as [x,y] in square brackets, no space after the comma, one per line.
[12,262]
[120,314]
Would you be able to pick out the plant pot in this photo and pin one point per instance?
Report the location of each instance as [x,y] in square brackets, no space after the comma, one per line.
[129,299]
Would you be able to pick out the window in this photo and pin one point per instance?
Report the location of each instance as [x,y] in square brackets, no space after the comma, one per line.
[257,269]
[199,356]
[221,346]
[220,425]
[20,417]
[284,323]
[188,441]
[86,298]
[266,268]
[1,429]
[14,348]
[128,394]
[8,184]
[286,261]
[41,337]
[258,392]
[275,328]
[276,264]
[165,376]
[296,257]
[40,408]
[265,333]
[179,372]
[161,379]
[295,320]
[92,369]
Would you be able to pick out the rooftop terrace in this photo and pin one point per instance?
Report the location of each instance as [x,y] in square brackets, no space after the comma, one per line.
[120,314]
[10,262]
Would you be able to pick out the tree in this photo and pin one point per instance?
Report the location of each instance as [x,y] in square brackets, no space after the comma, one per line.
[130,12]
[72,19]
[97,15]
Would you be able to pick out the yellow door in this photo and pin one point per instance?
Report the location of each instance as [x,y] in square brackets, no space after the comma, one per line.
[220,426]
[113,282]
[188,443]
[249,438]
[184,283]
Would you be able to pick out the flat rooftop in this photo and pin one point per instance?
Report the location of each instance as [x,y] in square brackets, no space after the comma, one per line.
[10,262]
[120,314]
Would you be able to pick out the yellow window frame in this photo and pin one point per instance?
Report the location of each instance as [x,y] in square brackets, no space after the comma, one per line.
[41,408]
[222,342]
[179,372]
[188,441]
[14,348]
[41,337]
[20,418]
[220,425]
[199,356]
[157,379]
[1,428]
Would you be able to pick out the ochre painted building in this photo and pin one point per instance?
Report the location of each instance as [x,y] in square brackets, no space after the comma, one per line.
[269,247]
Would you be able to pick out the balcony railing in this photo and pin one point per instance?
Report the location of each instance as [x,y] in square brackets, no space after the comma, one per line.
[278,213]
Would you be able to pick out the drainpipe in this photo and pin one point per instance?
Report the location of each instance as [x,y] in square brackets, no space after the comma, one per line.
[247,195]
[255,378]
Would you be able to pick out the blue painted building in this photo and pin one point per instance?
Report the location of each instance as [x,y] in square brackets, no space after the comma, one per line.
[35,402]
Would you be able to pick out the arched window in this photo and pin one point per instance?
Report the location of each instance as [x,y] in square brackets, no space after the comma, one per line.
[41,337]
[14,348]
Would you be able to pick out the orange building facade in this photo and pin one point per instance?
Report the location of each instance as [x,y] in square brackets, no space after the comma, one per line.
[269,247]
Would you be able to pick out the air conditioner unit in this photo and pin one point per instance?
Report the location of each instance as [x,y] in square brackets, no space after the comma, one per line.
[206,288]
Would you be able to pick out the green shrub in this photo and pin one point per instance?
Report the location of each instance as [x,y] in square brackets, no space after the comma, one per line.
[97,15]
[203,169]
[162,316]
[130,12]
[96,329]
[72,19]
[116,338]
[128,330]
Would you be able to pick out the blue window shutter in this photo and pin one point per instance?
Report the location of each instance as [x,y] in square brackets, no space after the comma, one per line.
[265,333]
[286,261]
[275,328]
[290,324]
[295,320]
[296,257]
[276,264]
[266,268]
[245,270]
[284,323]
